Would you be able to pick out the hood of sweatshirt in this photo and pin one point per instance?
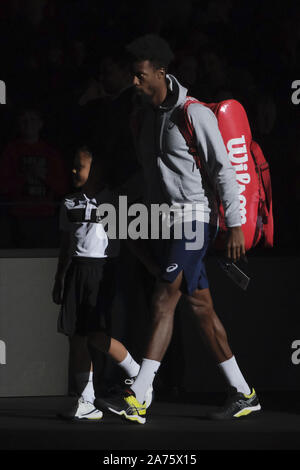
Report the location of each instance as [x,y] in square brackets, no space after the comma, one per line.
[176,94]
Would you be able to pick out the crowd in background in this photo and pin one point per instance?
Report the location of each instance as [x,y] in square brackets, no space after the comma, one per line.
[55,60]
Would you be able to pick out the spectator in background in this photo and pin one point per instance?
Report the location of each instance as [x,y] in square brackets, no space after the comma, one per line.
[33,181]
[213,84]
[105,112]
[186,69]
[266,113]
[116,79]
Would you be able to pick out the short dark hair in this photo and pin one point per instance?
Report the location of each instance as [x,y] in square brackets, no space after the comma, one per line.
[98,163]
[85,149]
[153,48]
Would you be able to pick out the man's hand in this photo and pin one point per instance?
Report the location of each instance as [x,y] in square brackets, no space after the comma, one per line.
[235,247]
[57,292]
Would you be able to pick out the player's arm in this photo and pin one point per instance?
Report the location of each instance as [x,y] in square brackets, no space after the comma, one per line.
[221,173]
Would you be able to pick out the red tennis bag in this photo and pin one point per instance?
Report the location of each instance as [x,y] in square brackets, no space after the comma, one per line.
[251,167]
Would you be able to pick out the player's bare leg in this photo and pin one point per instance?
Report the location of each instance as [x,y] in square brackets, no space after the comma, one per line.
[210,327]
[164,301]
[242,400]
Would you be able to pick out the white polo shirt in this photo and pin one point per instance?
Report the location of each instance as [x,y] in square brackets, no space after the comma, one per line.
[88,236]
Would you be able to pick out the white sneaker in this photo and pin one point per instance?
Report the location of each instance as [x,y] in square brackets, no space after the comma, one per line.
[83,410]
[149,392]
[86,410]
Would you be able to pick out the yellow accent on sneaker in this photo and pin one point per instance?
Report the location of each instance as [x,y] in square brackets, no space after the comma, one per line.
[251,394]
[137,410]
[244,412]
[134,403]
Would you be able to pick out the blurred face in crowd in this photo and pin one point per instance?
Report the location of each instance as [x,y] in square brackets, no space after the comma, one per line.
[148,80]
[30,125]
[112,76]
[213,64]
[187,71]
[81,168]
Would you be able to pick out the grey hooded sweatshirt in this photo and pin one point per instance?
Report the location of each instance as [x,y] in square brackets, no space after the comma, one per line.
[170,172]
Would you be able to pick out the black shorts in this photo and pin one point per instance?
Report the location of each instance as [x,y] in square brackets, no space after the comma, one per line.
[86,298]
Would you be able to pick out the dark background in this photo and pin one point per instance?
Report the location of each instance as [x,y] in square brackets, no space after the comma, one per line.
[51,53]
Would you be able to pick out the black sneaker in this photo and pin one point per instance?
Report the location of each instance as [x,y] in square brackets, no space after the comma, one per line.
[112,401]
[237,405]
[124,404]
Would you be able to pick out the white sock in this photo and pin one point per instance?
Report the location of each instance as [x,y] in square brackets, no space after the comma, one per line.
[130,366]
[233,375]
[85,379]
[145,378]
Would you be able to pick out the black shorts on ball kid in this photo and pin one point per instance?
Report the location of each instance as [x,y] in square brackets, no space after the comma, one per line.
[86,298]
[186,254]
